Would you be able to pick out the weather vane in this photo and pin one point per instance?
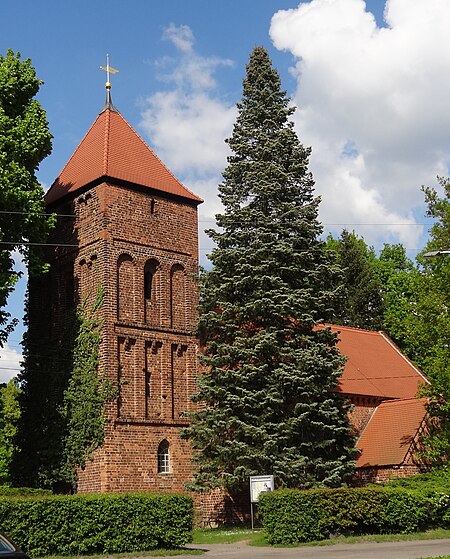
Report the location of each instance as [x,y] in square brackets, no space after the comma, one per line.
[108,71]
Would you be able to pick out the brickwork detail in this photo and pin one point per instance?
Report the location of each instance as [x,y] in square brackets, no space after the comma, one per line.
[382,474]
[143,249]
[363,408]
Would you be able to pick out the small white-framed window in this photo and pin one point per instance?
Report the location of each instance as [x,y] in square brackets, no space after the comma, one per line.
[163,457]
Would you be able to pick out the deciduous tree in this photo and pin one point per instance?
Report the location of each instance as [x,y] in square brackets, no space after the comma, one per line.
[9,417]
[430,330]
[24,141]
[400,282]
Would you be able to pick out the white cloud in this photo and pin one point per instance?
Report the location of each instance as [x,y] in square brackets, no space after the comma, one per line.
[187,122]
[373,104]
[181,36]
[10,360]
[188,130]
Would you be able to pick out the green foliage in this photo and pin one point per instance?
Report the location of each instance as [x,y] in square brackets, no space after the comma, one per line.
[6,491]
[360,304]
[269,374]
[9,417]
[41,426]
[292,516]
[377,291]
[24,142]
[435,481]
[86,393]
[399,280]
[72,525]
[428,328]
[60,428]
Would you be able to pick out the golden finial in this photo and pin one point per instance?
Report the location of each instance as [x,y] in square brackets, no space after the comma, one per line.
[108,71]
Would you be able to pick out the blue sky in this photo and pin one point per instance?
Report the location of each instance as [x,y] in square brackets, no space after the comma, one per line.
[68,41]
[370,80]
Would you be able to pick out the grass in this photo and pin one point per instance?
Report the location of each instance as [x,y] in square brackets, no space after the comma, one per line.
[202,536]
[222,535]
[151,553]
[257,537]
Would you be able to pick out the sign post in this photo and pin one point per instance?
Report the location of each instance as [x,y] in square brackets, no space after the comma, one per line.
[258,485]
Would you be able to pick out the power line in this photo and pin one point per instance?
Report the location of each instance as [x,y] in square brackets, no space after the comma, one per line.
[212,220]
[22,243]
[38,213]
[343,224]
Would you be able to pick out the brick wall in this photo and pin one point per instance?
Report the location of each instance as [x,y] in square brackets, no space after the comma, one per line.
[363,408]
[385,473]
[143,249]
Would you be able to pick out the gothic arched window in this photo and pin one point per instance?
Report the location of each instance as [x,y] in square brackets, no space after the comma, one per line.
[163,457]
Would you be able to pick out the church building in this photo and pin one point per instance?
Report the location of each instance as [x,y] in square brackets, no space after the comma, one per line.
[133,229]
[126,223]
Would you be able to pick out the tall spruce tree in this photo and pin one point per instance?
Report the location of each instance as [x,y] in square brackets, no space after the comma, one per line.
[268,385]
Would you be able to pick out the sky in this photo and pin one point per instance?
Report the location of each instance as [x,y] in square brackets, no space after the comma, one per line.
[370,80]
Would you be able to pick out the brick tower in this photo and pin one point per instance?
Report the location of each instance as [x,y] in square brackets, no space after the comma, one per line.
[133,231]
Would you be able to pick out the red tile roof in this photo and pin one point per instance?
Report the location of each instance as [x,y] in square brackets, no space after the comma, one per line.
[112,149]
[375,366]
[391,433]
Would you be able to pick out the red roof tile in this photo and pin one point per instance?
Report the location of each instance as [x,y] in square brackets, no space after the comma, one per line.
[391,432]
[375,366]
[112,149]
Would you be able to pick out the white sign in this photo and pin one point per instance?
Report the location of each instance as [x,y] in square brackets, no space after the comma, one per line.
[260,484]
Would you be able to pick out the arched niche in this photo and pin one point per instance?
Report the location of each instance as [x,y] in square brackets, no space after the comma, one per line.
[125,288]
[178,297]
[151,292]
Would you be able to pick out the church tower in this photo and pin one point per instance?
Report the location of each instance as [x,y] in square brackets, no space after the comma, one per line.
[130,226]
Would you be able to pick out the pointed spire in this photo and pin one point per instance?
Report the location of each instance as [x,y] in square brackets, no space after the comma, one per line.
[113,152]
[109,70]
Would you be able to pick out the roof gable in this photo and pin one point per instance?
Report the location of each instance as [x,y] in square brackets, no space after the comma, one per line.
[391,434]
[112,149]
[375,366]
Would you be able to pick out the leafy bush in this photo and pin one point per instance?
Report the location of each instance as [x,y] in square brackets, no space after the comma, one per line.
[437,479]
[7,491]
[291,516]
[84,524]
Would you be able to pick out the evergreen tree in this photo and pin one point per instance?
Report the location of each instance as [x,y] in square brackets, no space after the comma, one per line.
[24,142]
[268,386]
[361,303]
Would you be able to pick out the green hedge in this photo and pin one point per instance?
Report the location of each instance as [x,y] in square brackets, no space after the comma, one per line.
[437,479]
[84,524]
[292,516]
[7,491]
